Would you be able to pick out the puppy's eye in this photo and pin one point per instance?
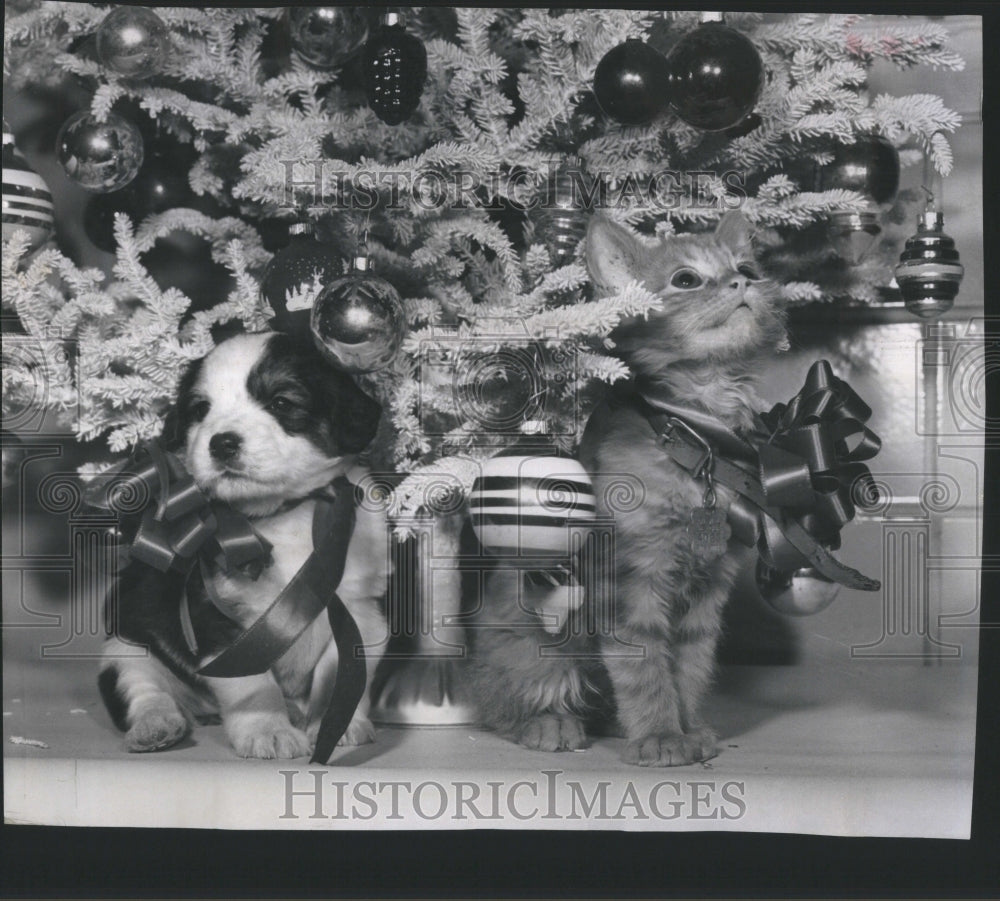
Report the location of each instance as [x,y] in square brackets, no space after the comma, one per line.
[686,279]
[749,271]
[199,410]
[280,404]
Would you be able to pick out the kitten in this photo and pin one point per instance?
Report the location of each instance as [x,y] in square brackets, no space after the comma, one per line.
[718,318]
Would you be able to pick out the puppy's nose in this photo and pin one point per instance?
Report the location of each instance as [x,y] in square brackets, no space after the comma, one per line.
[224,445]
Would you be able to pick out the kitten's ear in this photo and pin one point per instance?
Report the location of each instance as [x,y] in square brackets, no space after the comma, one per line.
[614,254]
[735,232]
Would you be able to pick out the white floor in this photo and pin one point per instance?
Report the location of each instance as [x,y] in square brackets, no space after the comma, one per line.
[829,747]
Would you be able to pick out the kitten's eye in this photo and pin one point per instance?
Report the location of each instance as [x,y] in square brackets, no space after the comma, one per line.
[281,404]
[199,410]
[686,279]
[751,272]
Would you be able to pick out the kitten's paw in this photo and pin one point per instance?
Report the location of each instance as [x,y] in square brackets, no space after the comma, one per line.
[553,732]
[156,730]
[268,738]
[670,749]
[705,740]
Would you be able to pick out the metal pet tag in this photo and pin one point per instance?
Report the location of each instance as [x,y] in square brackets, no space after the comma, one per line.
[709,532]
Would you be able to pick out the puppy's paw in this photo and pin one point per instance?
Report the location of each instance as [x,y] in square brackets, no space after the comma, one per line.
[155,730]
[267,737]
[552,732]
[670,749]
[360,731]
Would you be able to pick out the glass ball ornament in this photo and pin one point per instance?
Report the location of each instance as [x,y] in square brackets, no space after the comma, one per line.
[327,36]
[800,592]
[295,276]
[853,234]
[395,66]
[133,41]
[358,322]
[929,272]
[99,156]
[526,498]
[27,201]
[631,83]
[561,217]
[715,77]
[868,165]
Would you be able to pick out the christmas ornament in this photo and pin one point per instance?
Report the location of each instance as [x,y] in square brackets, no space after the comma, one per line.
[631,83]
[133,41]
[869,166]
[929,271]
[358,321]
[99,156]
[561,217]
[158,187]
[395,65]
[799,593]
[527,496]
[27,201]
[327,36]
[715,76]
[295,276]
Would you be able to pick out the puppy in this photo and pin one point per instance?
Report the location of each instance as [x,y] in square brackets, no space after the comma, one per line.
[262,423]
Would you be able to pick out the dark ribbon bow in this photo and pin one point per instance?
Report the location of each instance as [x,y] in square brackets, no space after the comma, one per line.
[178,522]
[811,454]
[796,479]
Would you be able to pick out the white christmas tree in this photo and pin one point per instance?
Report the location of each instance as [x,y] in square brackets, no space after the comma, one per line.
[508,99]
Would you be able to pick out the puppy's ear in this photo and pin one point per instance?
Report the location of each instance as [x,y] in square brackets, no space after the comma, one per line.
[354,415]
[735,232]
[175,423]
[614,255]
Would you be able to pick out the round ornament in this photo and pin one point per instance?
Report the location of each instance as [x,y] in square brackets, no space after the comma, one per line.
[395,66]
[295,276]
[715,76]
[631,83]
[99,156]
[27,201]
[527,497]
[799,593]
[358,322]
[561,217]
[133,41]
[929,272]
[327,36]
[870,166]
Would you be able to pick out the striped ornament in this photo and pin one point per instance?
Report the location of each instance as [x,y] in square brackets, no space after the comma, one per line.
[523,502]
[27,201]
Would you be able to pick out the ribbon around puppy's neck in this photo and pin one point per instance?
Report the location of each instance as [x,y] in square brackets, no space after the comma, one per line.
[179,526]
[178,522]
[797,478]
